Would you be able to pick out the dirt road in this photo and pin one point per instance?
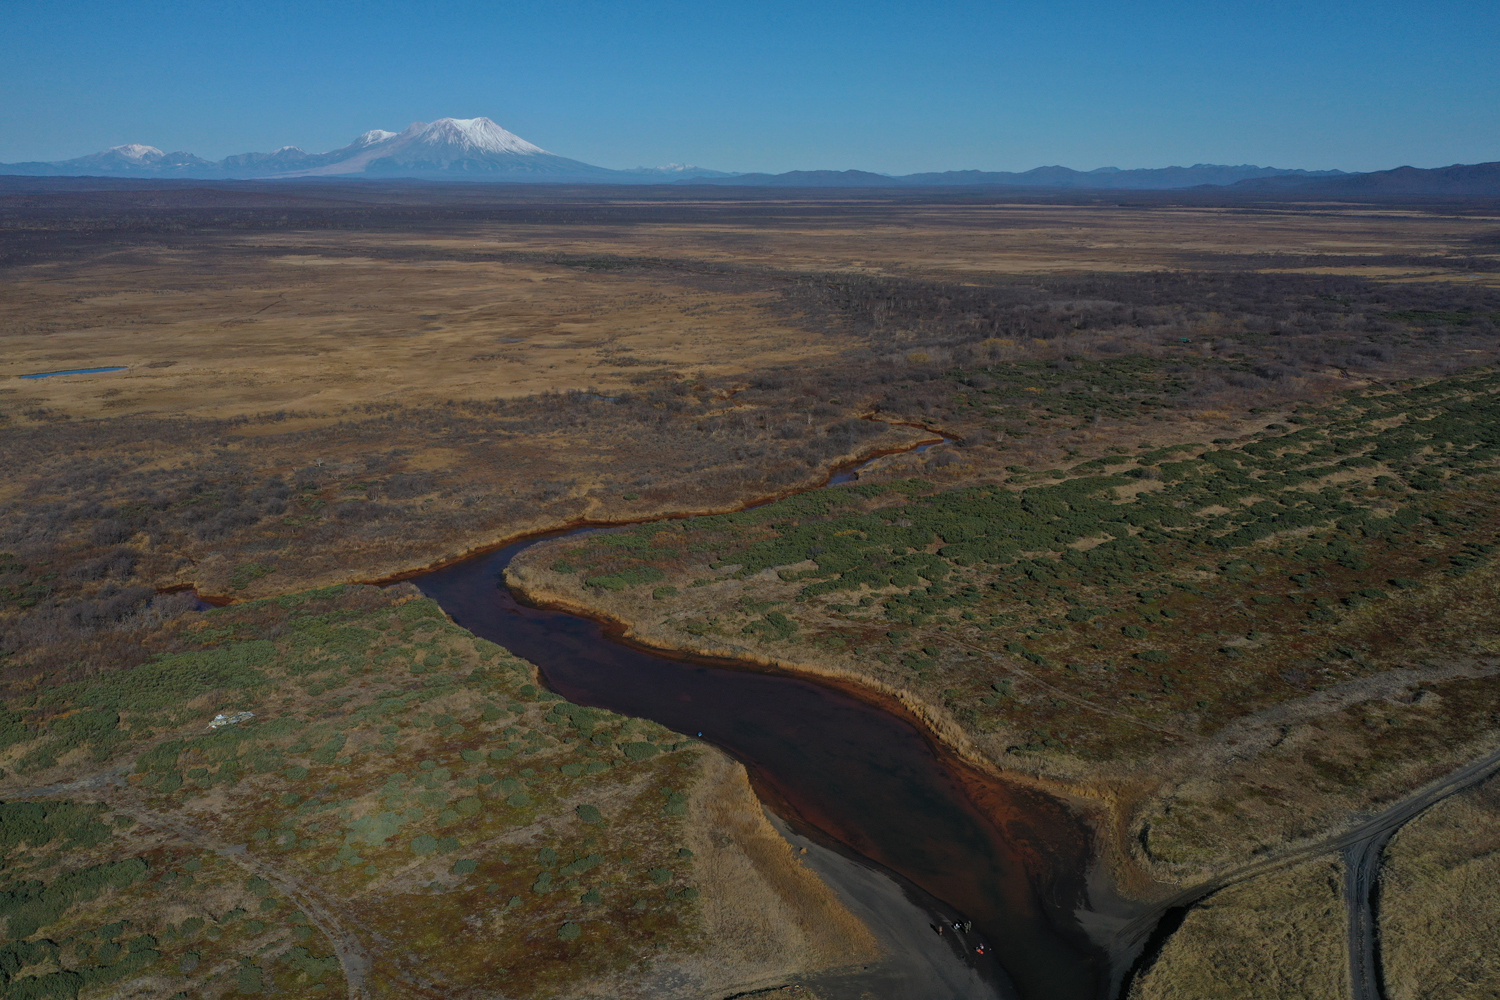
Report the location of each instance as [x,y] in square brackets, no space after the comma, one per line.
[1362,850]
[1361,846]
[1361,880]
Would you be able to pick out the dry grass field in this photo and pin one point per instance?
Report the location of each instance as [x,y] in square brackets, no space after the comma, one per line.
[222,324]
[1278,937]
[1191,448]
[1439,915]
[229,331]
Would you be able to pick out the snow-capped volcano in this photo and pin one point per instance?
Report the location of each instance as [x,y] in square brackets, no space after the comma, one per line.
[449,148]
[448,145]
[136,153]
[471,136]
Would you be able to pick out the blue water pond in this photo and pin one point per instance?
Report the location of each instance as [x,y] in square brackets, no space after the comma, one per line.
[76,371]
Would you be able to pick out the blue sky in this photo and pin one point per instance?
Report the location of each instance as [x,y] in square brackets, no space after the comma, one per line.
[893,87]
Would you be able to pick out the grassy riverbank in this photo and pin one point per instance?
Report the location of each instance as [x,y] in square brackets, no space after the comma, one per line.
[407,810]
[1282,612]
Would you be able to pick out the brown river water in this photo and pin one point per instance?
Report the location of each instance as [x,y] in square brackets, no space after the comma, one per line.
[845,768]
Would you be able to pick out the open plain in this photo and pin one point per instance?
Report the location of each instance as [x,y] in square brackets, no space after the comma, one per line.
[1205,554]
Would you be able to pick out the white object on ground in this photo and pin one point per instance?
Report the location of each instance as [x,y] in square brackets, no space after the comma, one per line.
[229,720]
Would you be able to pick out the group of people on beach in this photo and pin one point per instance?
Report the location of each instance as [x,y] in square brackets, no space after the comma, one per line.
[959,927]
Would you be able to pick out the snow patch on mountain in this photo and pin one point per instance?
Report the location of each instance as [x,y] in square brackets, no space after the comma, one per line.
[371,138]
[136,152]
[472,135]
[429,146]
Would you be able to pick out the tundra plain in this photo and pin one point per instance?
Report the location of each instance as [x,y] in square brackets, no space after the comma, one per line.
[1207,551]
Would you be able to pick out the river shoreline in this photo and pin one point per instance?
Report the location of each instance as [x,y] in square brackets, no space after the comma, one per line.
[987,784]
[847,465]
[867,777]
[1092,879]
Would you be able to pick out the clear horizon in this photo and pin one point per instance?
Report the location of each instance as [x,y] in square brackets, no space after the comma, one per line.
[881,87]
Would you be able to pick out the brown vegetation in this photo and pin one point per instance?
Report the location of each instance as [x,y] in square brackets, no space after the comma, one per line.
[409,791]
[1439,913]
[1271,635]
[1278,936]
[322,392]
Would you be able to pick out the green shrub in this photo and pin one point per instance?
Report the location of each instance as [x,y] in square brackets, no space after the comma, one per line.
[640,751]
[631,577]
[590,814]
[580,865]
[569,931]
[248,979]
[374,830]
[53,986]
[40,823]
[311,966]
[33,905]
[246,573]
[775,626]
[418,609]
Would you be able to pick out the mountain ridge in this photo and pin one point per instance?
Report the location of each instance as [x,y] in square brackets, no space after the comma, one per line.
[478,149]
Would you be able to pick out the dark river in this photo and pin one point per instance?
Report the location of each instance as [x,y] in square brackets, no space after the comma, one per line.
[865,780]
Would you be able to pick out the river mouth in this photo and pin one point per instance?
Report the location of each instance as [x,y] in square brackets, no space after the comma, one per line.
[868,781]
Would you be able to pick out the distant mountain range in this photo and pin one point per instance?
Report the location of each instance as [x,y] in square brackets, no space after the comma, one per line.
[1103,179]
[477,149]
[451,148]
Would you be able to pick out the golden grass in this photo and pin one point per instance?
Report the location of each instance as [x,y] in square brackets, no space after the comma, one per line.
[235,334]
[988,239]
[313,321]
[1278,937]
[1440,901]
